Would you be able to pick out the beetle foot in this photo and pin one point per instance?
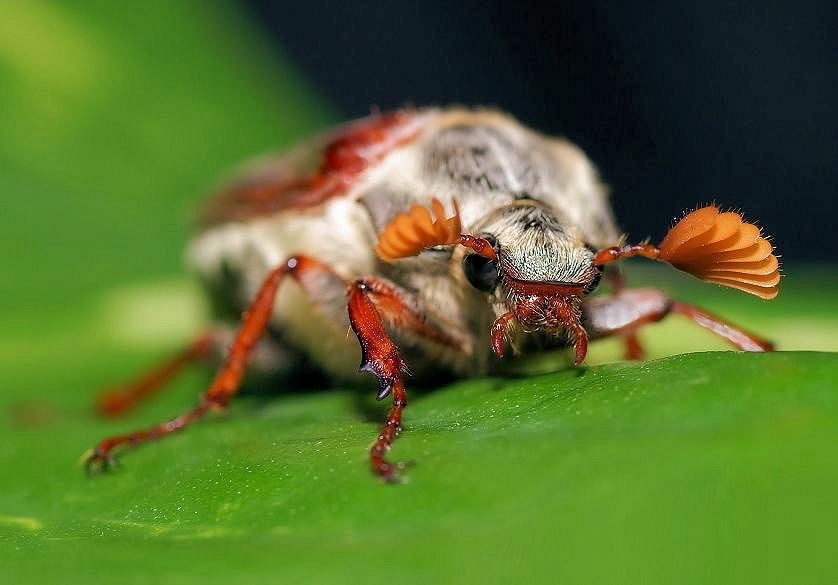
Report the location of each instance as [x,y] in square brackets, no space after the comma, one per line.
[391,472]
[98,461]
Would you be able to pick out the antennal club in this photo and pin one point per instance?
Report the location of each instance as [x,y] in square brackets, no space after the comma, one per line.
[715,247]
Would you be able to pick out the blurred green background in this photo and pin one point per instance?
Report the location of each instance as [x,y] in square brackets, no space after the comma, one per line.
[115,119]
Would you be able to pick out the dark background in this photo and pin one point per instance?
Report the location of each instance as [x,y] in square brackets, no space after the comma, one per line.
[676,104]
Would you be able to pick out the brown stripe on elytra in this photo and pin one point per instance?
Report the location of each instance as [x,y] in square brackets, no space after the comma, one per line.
[345,157]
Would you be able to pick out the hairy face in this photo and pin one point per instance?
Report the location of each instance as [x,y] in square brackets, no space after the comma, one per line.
[535,245]
[540,270]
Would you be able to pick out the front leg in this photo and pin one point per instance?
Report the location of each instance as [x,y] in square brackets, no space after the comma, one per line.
[370,300]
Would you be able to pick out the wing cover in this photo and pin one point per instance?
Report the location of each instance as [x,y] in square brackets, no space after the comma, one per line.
[310,175]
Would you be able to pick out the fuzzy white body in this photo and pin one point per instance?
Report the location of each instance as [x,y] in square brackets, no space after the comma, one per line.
[483,159]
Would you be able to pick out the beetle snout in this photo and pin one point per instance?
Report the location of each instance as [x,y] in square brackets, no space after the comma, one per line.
[556,311]
[551,313]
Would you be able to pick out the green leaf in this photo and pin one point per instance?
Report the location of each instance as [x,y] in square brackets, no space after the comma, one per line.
[709,467]
[703,467]
[115,120]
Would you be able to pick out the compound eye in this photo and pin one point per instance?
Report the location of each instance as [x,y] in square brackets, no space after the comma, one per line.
[481,272]
[595,282]
[599,271]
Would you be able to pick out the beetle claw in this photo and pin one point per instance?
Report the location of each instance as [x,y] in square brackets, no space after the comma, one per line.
[98,461]
[390,472]
[366,368]
[384,390]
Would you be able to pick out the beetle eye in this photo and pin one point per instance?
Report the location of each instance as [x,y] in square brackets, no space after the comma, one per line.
[481,272]
[595,282]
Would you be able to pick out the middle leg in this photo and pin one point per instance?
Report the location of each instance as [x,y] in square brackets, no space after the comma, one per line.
[617,280]
[630,309]
[306,271]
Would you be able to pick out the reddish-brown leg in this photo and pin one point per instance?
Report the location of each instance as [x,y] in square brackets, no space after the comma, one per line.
[371,300]
[498,333]
[118,401]
[634,347]
[229,377]
[630,309]
[734,335]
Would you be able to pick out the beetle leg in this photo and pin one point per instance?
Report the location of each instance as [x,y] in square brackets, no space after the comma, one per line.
[736,336]
[229,377]
[634,347]
[379,356]
[210,347]
[122,399]
[630,309]
[371,302]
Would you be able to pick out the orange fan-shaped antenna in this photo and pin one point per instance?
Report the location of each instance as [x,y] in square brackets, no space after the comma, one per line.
[722,248]
[409,233]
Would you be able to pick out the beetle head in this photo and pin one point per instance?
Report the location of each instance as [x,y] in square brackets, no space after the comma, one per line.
[537,269]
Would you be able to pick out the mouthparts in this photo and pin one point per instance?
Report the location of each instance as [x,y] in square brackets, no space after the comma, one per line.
[543,306]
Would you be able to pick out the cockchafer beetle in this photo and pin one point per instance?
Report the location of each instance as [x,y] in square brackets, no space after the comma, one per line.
[356,220]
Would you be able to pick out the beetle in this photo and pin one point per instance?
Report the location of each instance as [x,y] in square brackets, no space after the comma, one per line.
[439,237]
